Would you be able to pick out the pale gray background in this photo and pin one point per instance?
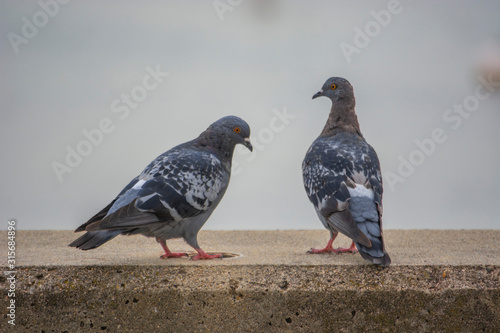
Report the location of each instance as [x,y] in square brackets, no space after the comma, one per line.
[264,55]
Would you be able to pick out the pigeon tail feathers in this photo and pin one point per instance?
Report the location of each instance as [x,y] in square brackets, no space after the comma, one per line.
[92,239]
[366,216]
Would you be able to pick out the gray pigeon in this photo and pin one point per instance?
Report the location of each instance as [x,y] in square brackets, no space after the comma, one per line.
[175,194]
[342,178]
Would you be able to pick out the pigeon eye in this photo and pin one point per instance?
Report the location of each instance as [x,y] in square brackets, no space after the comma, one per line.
[237,130]
[333,86]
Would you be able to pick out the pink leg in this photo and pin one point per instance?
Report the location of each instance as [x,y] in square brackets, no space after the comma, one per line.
[350,249]
[169,254]
[328,247]
[203,255]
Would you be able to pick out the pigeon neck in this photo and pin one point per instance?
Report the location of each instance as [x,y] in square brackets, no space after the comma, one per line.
[342,118]
[218,144]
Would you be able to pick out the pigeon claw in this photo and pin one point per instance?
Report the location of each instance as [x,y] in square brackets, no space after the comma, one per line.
[351,249]
[174,255]
[319,251]
[202,255]
[328,248]
[341,250]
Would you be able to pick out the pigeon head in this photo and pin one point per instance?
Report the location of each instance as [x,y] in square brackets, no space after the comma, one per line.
[229,131]
[342,116]
[336,89]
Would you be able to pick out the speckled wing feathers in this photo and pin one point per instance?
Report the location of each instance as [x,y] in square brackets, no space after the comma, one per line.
[180,184]
[330,165]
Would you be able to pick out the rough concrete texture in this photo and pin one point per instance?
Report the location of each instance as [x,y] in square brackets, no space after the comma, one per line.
[440,281]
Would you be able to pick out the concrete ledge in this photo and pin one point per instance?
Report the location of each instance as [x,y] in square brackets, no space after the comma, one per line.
[439,281]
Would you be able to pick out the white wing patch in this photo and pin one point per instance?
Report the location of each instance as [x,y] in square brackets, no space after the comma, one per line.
[138,185]
[361,191]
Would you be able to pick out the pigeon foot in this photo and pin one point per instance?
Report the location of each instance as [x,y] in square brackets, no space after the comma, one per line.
[168,253]
[351,249]
[319,251]
[202,255]
[328,248]
[174,255]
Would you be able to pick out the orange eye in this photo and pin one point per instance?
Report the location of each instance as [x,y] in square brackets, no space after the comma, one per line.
[237,130]
[333,86]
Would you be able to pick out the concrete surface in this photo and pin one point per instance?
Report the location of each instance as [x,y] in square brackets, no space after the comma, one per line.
[406,247]
[440,280]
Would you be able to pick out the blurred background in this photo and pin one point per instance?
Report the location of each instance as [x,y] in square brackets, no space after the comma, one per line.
[92,91]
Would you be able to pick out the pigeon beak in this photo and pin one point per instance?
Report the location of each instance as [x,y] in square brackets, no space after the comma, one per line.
[248,144]
[318,94]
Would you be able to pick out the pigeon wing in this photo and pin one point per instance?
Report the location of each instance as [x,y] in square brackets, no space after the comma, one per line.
[325,176]
[173,188]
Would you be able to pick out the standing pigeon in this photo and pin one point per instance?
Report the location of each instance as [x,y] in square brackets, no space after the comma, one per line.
[342,178]
[175,194]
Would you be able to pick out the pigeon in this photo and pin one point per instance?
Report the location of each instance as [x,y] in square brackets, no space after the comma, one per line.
[175,194]
[342,178]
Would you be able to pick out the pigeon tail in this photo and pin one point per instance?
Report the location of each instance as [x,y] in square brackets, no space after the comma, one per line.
[365,214]
[92,239]
[383,261]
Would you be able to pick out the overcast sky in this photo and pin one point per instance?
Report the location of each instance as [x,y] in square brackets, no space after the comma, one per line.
[92,91]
